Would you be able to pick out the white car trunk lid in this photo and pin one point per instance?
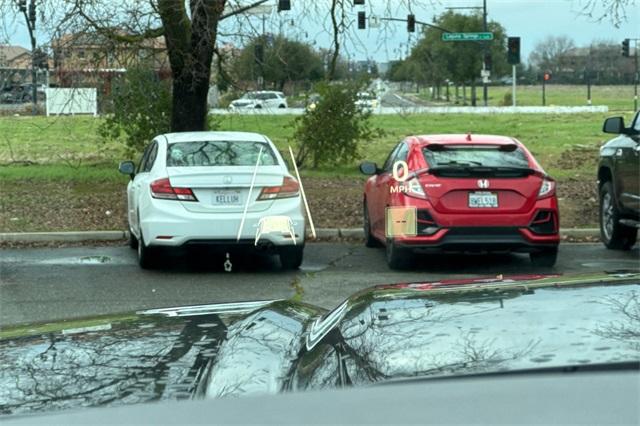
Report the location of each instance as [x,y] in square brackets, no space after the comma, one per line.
[225,189]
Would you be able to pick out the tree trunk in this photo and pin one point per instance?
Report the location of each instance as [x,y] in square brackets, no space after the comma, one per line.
[190,44]
[331,71]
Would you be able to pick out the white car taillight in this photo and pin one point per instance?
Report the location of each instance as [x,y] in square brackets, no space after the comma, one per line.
[289,188]
[162,189]
[547,188]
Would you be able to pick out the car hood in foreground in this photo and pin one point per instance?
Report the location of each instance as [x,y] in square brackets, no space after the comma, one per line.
[379,334]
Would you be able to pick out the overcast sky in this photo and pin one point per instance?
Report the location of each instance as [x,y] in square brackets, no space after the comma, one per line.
[532,20]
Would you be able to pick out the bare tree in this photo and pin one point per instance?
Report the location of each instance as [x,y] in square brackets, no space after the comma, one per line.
[548,54]
[613,10]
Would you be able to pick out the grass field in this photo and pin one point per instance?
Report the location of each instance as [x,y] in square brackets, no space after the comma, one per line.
[70,148]
[617,98]
[61,162]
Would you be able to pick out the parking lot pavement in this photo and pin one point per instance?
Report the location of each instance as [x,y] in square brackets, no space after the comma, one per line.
[47,284]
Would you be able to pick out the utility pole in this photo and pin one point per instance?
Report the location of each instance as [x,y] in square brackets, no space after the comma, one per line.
[485,93]
[30,18]
[626,52]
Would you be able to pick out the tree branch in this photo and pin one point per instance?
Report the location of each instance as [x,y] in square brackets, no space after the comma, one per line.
[242,9]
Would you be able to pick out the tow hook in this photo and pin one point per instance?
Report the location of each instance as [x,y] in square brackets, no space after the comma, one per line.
[227,264]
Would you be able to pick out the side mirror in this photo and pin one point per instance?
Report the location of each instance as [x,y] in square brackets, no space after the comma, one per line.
[369,168]
[614,125]
[127,168]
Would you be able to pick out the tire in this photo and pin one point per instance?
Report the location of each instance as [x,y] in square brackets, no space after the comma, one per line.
[258,106]
[613,234]
[146,255]
[398,258]
[281,106]
[545,258]
[133,241]
[291,256]
[369,239]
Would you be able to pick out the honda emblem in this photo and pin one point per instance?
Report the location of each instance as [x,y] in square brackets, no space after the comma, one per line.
[483,183]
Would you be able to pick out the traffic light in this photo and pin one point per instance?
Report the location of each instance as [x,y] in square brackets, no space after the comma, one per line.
[547,76]
[488,61]
[411,23]
[22,5]
[284,5]
[625,47]
[513,51]
[362,21]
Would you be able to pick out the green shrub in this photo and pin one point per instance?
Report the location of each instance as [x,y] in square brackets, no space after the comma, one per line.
[141,110]
[330,133]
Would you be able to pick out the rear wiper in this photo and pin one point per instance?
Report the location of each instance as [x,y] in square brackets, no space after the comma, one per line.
[460,163]
[572,368]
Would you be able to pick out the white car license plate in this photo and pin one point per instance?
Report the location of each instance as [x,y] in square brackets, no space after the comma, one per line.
[483,200]
[226,198]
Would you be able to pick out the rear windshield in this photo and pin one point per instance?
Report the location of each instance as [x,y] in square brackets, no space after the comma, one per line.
[480,156]
[219,153]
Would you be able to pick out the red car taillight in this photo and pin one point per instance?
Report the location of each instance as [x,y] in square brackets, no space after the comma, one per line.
[289,188]
[547,189]
[162,189]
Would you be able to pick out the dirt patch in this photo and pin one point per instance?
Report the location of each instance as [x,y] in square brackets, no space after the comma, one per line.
[30,206]
[578,157]
[578,199]
[334,202]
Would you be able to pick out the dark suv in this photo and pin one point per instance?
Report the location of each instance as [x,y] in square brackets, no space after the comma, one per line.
[619,184]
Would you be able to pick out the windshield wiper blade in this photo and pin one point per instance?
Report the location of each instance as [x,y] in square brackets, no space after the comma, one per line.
[460,163]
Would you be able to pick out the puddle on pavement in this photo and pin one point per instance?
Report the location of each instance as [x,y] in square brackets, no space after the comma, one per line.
[85,260]
[312,267]
[613,264]
[95,260]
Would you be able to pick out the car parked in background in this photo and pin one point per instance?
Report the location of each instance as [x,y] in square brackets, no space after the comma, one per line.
[619,184]
[213,188]
[260,99]
[366,100]
[460,193]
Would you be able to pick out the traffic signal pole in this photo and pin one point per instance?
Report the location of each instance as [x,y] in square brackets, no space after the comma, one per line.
[485,92]
[635,79]
[513,86]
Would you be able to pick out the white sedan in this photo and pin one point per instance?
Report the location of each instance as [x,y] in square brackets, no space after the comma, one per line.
[220,188]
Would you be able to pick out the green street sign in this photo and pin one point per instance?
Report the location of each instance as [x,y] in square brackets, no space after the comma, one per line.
[467,36]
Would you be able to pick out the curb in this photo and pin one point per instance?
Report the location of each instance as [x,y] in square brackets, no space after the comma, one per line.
[30,237]
[321,233]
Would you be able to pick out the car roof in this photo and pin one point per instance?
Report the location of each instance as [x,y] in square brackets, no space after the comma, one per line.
[214,136]
[466,139]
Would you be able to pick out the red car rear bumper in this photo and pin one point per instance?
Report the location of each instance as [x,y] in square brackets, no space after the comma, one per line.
[523,232]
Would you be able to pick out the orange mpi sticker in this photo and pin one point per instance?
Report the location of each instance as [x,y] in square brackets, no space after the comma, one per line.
[401,222]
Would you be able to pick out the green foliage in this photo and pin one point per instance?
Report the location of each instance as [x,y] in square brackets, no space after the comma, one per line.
[507,99]
[330,133]
[433,60]
[141,105]
[283,60]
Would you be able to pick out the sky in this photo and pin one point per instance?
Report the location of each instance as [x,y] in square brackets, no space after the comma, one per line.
[532,20]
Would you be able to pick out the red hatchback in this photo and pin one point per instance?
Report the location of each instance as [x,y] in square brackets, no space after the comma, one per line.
[461,193]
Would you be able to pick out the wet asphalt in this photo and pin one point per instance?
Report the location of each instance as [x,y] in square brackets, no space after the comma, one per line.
[43,284]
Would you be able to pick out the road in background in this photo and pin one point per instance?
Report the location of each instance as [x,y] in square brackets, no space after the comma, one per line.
[48,284]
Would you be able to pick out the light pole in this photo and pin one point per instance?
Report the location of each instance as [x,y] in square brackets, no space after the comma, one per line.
[30,18]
